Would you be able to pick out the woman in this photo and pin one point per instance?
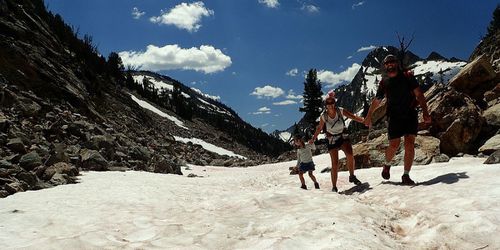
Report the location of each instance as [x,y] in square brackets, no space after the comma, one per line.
[333,119]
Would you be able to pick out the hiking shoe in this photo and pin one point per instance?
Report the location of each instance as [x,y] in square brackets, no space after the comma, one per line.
[334,189]
[316,185]
[386,174]
[353,179]
[405,179]
[303,187]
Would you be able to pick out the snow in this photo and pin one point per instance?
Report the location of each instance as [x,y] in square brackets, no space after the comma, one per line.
[150,107]
[214,108]
[285,136]
[156,84]
[450,69]
[215,98]
[209,147]
[455,207]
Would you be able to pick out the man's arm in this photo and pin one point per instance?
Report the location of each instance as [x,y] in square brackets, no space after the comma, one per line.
[368,119]
[423,104]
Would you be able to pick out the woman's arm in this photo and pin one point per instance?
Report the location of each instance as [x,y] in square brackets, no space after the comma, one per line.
[318,129]
[353,116]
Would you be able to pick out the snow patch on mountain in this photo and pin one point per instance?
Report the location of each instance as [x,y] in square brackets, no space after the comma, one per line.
[209,147]
[150,107]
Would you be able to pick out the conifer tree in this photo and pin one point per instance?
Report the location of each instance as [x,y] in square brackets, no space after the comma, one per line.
[313,102]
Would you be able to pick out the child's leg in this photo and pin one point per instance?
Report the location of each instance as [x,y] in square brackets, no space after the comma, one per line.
[301,177]
[312,176]
[334,155]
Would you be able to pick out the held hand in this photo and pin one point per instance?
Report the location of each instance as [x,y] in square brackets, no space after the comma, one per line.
[427,119]
[367,122]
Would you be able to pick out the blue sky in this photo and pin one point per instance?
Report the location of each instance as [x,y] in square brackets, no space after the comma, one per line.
[253,53]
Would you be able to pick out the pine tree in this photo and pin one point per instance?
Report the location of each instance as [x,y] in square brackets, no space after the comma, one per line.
[115,67]
[313,101]
[495,23]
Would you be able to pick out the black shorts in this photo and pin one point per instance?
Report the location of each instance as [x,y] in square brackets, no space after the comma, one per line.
[306,166]
[402,125]
[336,143]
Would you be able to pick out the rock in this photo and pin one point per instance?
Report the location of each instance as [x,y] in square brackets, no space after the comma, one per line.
[426,148]
[4,123]
[61,179]
[139,153]
[493,94]
[472,75]
[30,160]
[440,158]
[93,160]
[457,121]
[494,158]
[193,175]
[28,177]
[5,164]
[490,146]
[3,193]
[14,187]
[60,168]
[101,141]
[492,115]
[28,107]
[16,145]
[57,154]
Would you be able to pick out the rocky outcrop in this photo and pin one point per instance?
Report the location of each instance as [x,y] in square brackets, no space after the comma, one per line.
[457,121]
[490,146]
[475,78]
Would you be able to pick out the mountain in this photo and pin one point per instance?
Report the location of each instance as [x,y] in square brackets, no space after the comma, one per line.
[64,108]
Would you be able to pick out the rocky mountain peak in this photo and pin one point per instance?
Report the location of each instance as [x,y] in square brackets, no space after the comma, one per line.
[434,56]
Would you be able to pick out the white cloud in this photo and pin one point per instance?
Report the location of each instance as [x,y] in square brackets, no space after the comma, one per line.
[136,13]
[184,16]
[349,57]
[206,58]
[270,3]
[284,103]
[371,47]
[264,125]
[354,6]
[310,8]
[263,110]
[291,95]
[267,91]
[292,72]
[335,78]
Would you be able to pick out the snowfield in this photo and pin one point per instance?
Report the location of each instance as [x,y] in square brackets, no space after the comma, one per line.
[456,206]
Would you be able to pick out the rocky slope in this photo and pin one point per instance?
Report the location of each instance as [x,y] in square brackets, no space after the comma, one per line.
[62,110]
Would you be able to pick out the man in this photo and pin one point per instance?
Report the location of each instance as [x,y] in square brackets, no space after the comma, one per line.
[401,89]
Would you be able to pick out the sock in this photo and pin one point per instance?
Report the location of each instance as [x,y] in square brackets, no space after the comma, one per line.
[407,172]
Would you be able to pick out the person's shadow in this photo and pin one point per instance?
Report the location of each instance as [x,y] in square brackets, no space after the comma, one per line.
[357,189]
[449,178]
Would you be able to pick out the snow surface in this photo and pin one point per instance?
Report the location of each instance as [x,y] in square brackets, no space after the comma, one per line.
[209,147]
[150,107]
[285,136]
[450,69]
[456,206]
[215,98]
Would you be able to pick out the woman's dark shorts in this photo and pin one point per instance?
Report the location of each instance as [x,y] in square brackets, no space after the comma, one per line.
[336,144]
[401,126]
[306,166]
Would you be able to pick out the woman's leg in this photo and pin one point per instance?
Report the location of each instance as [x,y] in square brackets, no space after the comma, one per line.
[334,156]
[312,176]
[347,148]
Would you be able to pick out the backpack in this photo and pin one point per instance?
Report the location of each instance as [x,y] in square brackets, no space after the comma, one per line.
[325,116]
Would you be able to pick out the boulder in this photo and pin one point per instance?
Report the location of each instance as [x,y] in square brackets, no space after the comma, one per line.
[139,153]
[27,177]
[93,160]
[14,187]
[491,145]
[492,115]
[494,158]
[57,154]
[59,168]
[4,123]
[16,145]
[493,94]
[457,121]
[30,160]
[472,76]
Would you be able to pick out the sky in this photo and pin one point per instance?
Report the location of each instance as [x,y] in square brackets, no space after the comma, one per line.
[253,54]
[454,206]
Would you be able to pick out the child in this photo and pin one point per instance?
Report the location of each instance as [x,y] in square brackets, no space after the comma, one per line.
[304,161]
[333,120]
